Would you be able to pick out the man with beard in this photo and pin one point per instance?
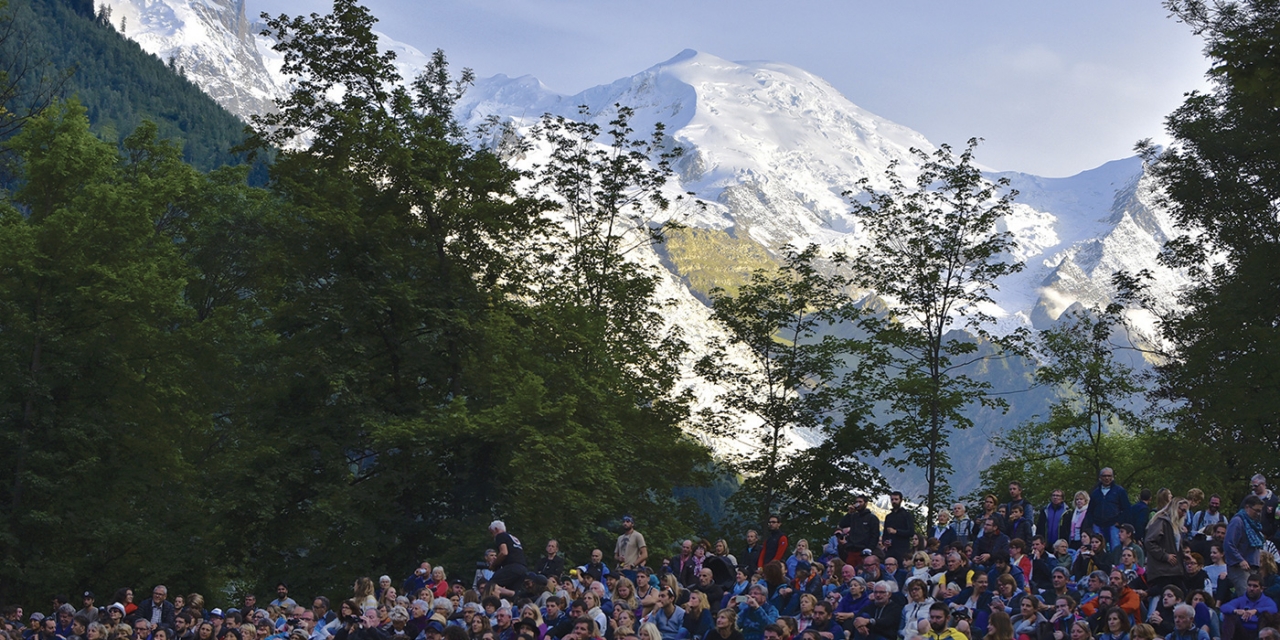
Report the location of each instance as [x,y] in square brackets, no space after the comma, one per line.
[938,629]
[775,546]
[899,526]
[630,550]
[861,530]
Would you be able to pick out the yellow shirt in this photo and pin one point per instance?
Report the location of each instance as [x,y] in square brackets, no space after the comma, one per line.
[947,634]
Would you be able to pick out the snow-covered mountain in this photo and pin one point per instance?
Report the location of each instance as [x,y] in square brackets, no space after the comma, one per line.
[220,47]
[772,148]
[769,147]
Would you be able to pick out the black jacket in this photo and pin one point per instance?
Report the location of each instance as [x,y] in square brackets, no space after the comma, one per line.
[148,607]
[864,530]
[884,620]
[903,522]
[551,566]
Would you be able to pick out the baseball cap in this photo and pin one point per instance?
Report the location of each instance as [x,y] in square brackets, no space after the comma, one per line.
[37,616]
[627,518]
[216,613]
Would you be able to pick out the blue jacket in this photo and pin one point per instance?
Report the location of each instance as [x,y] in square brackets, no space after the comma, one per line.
[1236,545]
[753,621]
[1110,509]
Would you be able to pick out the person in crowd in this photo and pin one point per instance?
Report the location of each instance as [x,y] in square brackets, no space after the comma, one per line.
[880,619]
[1051,520]
[1201,521]
[1244,611]
[916,611]
[1244,542]
[942,531]
[1108,506]
[755,613]
[939,627]
[1079,521]
[992,541]
[1028,622]
[697,615]
[774,546]
[1001,627]
[157,610]
[899,527]
[630,550]
[726,626]
[508,564]
[1184,626]
[1164,541]
[1117,625]
[1063,617]
[962,525]
[751,552]
[1140,512]
[1258,486]
[1128,542]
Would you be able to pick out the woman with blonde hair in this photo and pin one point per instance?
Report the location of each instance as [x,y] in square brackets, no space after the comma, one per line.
[1078,520]
[808,602]
[363,591]
[801,545]
[623,622]
[669,581]
[1164,541]
[389,596]
[624,595]
[1142,631]
[697,615]
[531,612]
[649,631]
[439,582]
[726,627]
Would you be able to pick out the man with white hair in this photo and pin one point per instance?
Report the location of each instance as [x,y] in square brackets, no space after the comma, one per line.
[508,562]
[1184,624]
[880,619]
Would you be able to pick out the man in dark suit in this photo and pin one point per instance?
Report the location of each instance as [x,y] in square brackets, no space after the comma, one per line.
[158,610]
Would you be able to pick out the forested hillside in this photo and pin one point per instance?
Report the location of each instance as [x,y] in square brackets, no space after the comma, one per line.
[119,84]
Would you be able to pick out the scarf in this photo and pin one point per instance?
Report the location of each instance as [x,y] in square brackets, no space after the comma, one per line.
[1253,529]
[1077,520]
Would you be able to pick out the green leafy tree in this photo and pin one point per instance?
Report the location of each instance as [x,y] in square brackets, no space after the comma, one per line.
[430,363]
[1219,340]
[793,382]
[99,394]
[1091,420]
[934,252]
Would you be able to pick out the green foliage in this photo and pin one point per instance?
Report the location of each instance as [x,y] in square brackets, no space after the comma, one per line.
[1091,424]
[791,382]
[711,258]
[360,366]
[100,361]
[1217,380]
[934,252]
[63,49]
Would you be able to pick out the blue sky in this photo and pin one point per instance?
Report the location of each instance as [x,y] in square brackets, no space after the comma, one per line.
[1054,87]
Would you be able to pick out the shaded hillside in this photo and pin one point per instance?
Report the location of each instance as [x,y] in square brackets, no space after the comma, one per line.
[119,84]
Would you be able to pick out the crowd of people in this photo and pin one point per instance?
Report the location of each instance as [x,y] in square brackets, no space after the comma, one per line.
[1097,567]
